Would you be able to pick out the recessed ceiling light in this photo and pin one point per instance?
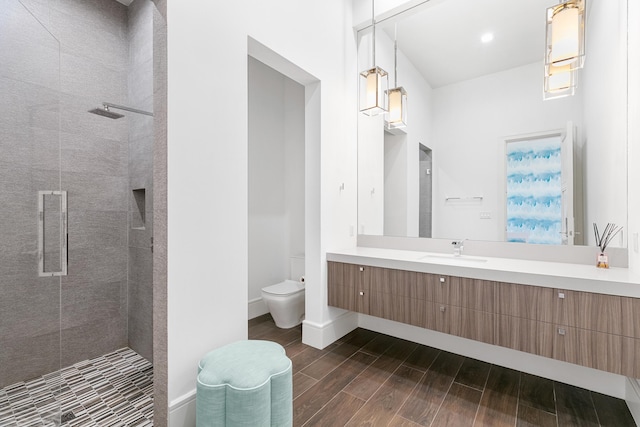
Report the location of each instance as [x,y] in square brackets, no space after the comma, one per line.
[486,37]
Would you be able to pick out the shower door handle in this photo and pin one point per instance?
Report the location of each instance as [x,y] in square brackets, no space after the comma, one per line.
[52,233]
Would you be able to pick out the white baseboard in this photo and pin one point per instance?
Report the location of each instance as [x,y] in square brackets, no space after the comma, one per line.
[182,411]
[320,336]
[257,307]
[633,398]
[579,376]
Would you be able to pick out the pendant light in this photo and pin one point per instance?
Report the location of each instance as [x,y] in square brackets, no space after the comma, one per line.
[374,81]
[565,48]
[566,34]
[396,117]
[559,81]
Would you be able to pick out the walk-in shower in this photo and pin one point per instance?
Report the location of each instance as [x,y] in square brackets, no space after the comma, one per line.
[105,111]
[76,319]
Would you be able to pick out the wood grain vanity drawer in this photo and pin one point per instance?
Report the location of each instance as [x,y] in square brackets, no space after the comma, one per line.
[347,287]
[392,307]
[528,302]
[472,293]
[593,349]
[462,322]
[341,274]
[433,287]
[585,310]
[472,324]
[437,317]
[631,357]
[342,297]
[526,335]
[396,282]
[631,318]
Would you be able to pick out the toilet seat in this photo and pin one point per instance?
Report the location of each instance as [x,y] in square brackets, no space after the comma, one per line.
[288,287]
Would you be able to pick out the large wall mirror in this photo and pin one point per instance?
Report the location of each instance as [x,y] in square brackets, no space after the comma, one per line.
[483,156]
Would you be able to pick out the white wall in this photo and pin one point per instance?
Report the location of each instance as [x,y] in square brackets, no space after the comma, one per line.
[604,81]
[370,155]
[386,161]
[634,136]
[294,157]
[383,9]
[395,184]
[471,121]
[276,175]
[208,161]
[371,186]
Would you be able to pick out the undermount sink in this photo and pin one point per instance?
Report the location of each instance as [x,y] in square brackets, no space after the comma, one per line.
[451,257]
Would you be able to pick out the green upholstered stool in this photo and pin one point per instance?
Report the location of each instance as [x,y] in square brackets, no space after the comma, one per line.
[246,383]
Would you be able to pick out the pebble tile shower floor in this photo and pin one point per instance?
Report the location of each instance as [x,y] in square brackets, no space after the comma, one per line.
[109,391]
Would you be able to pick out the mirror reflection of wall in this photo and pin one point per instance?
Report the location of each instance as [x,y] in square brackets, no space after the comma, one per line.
[466,98]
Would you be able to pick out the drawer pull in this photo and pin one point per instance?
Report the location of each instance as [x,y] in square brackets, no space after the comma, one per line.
[442,280]
[361,268]
[561,331]
[361,293]
[561,295]
[442,308]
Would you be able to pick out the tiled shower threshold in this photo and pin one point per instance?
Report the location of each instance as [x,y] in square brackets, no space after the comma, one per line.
[111,390]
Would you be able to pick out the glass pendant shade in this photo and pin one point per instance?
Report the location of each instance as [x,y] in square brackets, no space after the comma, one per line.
[396,117]
[559,81]
[565,34]
[374,83]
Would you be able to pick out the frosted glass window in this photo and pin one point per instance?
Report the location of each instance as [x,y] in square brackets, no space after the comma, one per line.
[534,191]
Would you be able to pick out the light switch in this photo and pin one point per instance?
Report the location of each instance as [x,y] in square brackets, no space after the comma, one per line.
[485,215]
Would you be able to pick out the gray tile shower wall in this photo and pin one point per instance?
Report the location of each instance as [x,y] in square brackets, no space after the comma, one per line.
[141,136]
[69,59]
[160,387]
[94,171]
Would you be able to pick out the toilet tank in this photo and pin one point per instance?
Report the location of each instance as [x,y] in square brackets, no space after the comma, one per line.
[296,267]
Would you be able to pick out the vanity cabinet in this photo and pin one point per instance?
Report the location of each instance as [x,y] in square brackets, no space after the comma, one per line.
[598,331]
[525,318]
[588,329]
[347,287]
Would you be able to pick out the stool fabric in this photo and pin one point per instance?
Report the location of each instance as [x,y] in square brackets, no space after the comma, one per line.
[245,383]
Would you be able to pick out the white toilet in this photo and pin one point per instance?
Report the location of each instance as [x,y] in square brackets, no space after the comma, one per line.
[285,300]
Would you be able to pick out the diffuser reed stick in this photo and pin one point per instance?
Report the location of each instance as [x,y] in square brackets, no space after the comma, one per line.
[603,240]
[609,233]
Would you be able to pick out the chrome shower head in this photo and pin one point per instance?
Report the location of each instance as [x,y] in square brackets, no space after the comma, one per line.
[105,112]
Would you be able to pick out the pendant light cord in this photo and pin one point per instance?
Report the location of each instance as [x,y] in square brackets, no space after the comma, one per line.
[395,55]
[373,22]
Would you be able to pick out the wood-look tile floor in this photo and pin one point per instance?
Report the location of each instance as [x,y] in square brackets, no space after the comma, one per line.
[367,378]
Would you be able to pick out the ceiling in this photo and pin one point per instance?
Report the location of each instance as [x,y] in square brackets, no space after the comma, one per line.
[442,38]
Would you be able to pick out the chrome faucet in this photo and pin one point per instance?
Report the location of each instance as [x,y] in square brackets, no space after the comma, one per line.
[458,246]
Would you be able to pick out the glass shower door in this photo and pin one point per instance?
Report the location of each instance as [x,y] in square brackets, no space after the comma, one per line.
[32,223]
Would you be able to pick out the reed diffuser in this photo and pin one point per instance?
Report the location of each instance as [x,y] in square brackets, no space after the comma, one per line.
[603,240]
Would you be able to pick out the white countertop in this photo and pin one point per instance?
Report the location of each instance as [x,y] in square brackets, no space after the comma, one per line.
[580,277]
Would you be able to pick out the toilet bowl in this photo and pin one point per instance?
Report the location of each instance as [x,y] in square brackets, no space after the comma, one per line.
[285,301]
